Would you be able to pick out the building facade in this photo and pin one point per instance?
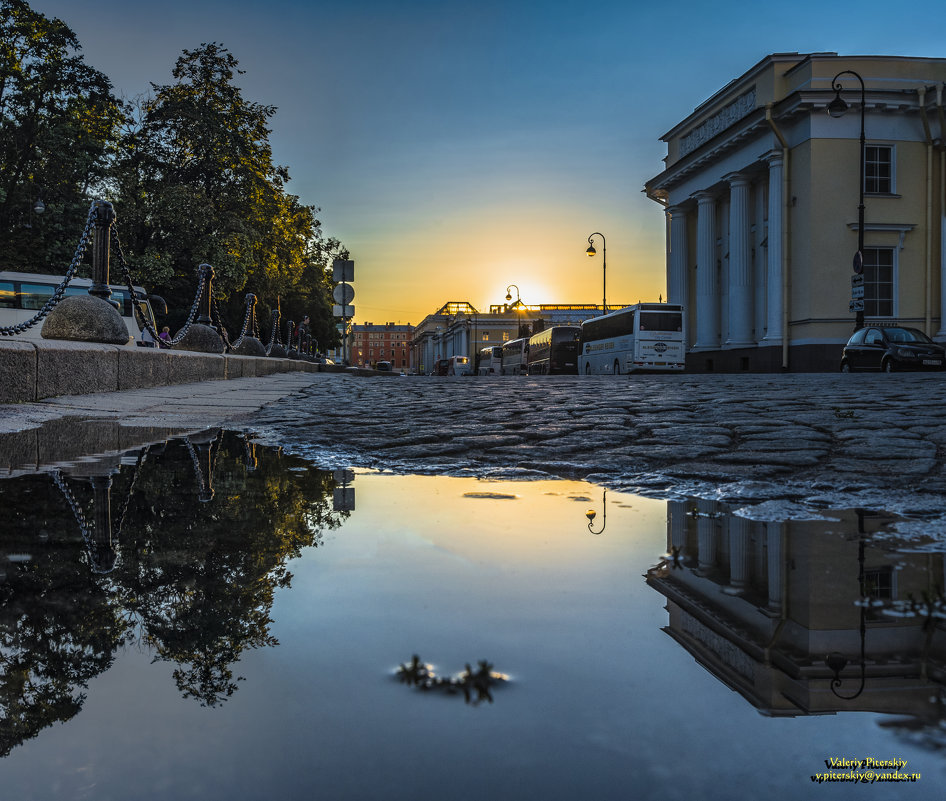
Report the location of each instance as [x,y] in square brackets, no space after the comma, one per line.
[458,329]
[761,189]
[370,344]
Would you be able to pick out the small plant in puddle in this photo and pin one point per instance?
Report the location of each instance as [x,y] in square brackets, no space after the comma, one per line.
[474,684]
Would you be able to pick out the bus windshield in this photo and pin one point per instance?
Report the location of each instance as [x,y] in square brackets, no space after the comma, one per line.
[661,321]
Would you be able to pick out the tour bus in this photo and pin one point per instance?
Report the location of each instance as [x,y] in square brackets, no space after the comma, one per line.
[459,365]
[24,294]
[641,338]
[554,351]
[516,357]
[491,361]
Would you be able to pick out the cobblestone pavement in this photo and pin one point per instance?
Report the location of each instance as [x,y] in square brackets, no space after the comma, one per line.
[829,439]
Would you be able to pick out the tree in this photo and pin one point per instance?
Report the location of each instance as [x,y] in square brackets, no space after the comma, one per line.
[58,120]
[195,182]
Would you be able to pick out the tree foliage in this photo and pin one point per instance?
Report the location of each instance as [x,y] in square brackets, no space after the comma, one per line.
[195,182]
[58,122]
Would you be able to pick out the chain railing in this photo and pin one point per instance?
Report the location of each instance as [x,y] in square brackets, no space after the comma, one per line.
[274,333]
[244,330]
[203,273]
[60,291]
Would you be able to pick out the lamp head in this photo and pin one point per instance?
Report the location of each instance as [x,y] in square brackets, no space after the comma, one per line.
[837,107]
[39,207]
[836,663]
[591,514]
[591,250]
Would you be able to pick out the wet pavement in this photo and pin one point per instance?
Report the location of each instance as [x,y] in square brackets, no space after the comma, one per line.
[838,440]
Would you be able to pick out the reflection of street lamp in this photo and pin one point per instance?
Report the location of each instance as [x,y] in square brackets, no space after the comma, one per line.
[591,514]
[836,661]
[837,108]
[604,266]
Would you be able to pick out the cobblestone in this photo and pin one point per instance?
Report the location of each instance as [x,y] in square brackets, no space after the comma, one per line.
[861,439]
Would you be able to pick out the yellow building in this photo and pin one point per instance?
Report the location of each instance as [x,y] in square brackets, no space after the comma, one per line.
[762,187]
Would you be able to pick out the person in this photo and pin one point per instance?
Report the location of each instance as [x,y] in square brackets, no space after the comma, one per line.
[165,333]
[301,330]
[147,339]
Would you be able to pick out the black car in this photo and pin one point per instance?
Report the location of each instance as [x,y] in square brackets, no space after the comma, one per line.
[892,348]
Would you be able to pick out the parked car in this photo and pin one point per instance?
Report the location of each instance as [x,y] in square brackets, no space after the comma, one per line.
[892,348]
[383,366]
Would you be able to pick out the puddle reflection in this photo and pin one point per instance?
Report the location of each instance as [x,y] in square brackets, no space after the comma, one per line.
[809,617]
[176,550]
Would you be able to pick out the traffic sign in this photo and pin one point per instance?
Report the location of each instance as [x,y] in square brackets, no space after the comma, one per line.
[339,310]
[343,270]
[858,262]
[344,293]
[857,292]
[856,306]
[857,280]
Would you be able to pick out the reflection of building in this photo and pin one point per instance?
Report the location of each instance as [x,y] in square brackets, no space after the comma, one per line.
[761,189]
[372,343]
[762,606]
[459,329]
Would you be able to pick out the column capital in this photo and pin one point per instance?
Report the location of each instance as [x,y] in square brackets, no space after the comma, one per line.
[774,158]
[737,179]
[704,196]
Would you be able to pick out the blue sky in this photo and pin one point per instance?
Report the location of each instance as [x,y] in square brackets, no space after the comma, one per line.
[458,147]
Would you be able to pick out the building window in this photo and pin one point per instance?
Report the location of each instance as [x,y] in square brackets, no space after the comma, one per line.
[878,282]
[878,583]
[505,336]
[878,169]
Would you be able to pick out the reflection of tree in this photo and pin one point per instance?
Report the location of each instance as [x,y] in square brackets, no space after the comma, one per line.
[199,580]
[58,627]
[195,581]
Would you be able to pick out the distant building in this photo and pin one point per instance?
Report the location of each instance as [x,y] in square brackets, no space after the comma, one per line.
[370,344]
[458,329]
[761,189]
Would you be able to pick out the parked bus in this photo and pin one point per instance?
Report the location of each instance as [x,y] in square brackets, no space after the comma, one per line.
[516,357]
[24,294]
[554,351]
[459,365]
[639,338]
[491,361]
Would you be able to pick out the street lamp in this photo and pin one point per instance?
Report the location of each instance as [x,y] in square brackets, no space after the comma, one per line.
[604,267]
[837,108]
[836,661]
[517,302]
[591,514]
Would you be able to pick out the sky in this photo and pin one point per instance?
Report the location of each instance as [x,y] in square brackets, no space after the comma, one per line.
[459,148]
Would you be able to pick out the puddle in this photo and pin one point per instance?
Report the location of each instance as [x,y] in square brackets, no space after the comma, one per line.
[208,618]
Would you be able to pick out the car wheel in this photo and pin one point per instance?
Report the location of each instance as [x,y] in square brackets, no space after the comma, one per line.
[845,367]
[888,366]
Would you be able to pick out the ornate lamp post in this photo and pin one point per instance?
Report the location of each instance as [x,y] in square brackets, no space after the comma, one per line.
[604,268]
[591,514]
[836,661]
[837,108]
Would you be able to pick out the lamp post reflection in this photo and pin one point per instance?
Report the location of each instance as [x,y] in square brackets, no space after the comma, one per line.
[836,661]
[591,514]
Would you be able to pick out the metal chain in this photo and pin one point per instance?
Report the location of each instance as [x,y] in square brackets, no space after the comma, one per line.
[138,304]
[59,292]
[201,484]
[246,323]
[220,327]
[74,506]
[142,454]
[273,335]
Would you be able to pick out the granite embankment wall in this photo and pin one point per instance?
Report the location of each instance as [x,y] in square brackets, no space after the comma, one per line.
[31,371]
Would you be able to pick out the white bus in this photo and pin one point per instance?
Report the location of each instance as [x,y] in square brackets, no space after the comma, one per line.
[491,361]
[516,357]
[459,365]
[24,294]
[641,338]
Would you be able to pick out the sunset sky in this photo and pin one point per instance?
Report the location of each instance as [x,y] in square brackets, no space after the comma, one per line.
[459,147]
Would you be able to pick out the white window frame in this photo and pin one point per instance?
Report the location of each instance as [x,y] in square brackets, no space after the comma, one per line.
[894,283]
[893,169]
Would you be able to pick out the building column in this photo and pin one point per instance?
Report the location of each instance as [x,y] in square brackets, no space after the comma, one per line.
[773,279]
[706,536]
[773,539]
[738,553]
[740,264]
[677,272]
[707,283]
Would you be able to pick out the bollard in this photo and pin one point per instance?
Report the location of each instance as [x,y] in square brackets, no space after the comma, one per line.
[249,345]
[275,348]
[93,317]
[201,336]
